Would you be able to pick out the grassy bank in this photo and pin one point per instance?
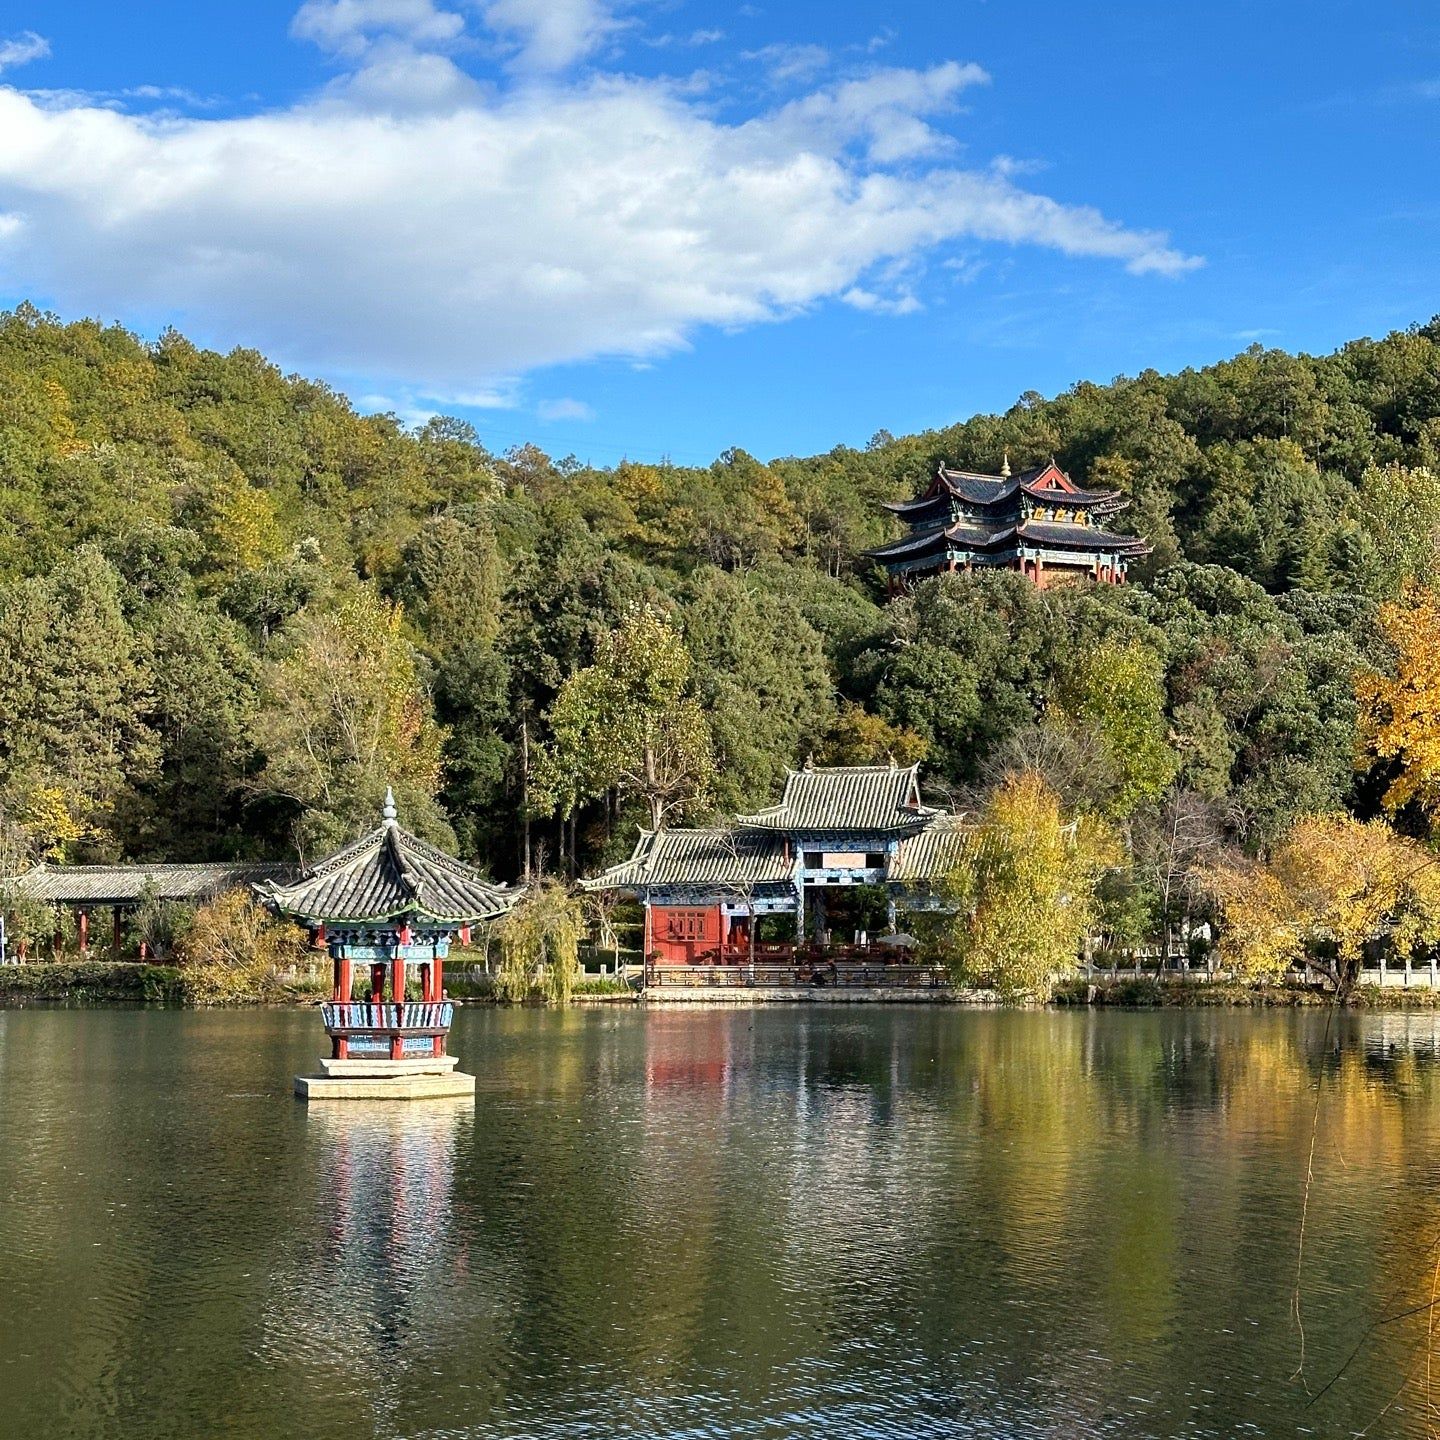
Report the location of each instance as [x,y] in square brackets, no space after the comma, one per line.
[1151,991]
[90,982]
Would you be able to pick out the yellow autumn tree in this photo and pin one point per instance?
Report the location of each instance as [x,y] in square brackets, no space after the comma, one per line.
[1024,894]
[346,714]
[1332,886]
[1400,712]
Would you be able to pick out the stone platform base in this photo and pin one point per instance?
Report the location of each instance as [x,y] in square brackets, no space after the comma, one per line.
[376,1066]
[392,1086]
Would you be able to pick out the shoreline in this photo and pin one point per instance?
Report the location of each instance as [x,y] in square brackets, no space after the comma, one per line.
[92,983]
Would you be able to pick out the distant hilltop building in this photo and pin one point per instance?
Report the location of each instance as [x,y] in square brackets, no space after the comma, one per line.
[1039,522]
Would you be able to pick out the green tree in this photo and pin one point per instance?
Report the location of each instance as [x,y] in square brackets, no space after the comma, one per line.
[1116,691]
[629,723]
[75,692]
[539,943]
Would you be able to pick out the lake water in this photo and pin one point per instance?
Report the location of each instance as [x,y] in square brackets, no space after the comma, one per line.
[838,1222]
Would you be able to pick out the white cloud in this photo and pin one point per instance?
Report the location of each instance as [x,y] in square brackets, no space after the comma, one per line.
[349,27]
[438,236]
[21,49]
[790,62]
[566,409]
[551,35]
[858,298]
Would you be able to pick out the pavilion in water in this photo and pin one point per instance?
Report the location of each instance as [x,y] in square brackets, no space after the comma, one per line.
[1039,522]
[387,908]
[705,891]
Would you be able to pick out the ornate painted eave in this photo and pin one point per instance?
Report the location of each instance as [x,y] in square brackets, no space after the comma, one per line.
[388,876]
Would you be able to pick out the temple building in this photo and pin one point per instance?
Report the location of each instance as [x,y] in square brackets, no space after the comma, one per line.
[706,891]
[1038,522]
[387,908]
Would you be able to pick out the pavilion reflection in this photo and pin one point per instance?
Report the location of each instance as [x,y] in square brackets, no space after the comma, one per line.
[376,1285]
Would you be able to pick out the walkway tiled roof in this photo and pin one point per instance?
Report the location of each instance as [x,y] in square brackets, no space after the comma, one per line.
[390,875]
[720,857]
[933,853]
[848,799]
[131,884]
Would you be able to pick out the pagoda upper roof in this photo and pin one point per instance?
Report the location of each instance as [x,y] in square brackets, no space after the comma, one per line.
[1042,482]
[719,857]
[390,875]
[852,799]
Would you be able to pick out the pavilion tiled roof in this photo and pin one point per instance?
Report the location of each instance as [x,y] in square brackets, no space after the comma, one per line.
[720,857]
[847,798]
[81,885]
[388,875]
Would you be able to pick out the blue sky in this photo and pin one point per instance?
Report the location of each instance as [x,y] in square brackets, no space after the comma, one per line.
[664,227]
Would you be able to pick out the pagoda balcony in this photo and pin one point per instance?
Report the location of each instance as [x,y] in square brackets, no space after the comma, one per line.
[383,1030]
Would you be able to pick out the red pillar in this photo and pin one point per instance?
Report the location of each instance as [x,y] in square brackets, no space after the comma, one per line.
[377,984]
[397,994]
[82,923]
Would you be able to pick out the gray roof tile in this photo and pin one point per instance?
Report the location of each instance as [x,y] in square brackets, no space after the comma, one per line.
[388,875]
[848,798]
[130,884]
[720,856]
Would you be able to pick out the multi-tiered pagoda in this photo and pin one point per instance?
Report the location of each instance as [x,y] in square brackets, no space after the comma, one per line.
[1039,522]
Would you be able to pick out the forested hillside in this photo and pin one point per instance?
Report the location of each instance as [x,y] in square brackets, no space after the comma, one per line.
[232,609]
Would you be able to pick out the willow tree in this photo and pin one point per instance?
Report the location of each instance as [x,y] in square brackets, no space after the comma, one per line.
[539,942]
[1329,888]
[1024,893]
[629,723]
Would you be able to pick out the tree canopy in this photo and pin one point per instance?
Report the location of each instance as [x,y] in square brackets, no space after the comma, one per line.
[232,608]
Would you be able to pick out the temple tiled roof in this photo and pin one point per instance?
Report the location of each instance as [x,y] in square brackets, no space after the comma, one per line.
[720,857]
[992,491]
[1079,537]
[932,853]
[849,799]
[131,884]
[390,875]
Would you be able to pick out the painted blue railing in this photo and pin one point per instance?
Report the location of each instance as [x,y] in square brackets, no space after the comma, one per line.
[363,1015]
[371,1030]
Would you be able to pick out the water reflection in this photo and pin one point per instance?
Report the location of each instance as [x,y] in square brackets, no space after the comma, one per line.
[797,1223]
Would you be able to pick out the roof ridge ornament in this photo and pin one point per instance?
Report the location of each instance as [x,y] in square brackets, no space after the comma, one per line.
[1005,466]
[388,813]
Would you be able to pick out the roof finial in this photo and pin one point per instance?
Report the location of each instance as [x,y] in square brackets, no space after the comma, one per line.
[1005,468]
[388,812]
[810,761]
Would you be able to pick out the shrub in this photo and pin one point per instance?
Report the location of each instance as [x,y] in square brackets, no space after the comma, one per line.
[235,950]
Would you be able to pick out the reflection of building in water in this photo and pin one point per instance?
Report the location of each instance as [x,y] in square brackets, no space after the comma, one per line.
[689,1050]
[385,1281]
